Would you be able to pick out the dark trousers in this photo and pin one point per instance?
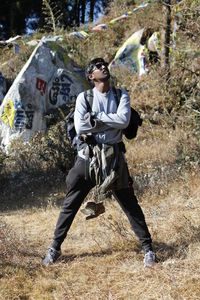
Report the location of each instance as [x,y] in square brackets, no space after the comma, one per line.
[78,188]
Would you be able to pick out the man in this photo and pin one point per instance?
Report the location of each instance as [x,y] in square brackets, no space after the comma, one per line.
[104,123]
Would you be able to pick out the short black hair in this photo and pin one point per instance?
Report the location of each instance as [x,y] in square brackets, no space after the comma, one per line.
[91,66]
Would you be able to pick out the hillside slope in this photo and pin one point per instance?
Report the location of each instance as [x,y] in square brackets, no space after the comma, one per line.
[101,257]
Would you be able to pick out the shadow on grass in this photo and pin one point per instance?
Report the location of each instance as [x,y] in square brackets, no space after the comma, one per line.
[163,251]
[70,258]
[178,249]
[64,259]
[32,190]
[38,187]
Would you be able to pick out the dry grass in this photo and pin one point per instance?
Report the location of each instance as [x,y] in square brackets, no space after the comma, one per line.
[101,257]
[12,63]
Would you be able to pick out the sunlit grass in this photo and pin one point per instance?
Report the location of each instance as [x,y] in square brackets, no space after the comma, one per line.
[102,257]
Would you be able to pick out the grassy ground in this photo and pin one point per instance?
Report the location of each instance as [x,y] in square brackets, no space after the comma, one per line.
[101,257]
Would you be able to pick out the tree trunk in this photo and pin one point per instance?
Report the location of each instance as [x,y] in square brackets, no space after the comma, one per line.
[11,19]
[91,14]
[77,13]
[83,6]
[165,35]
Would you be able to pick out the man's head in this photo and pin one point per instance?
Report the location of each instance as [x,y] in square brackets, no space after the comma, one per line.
[97,70]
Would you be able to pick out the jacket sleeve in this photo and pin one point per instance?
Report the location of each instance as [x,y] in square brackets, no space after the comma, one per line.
[120,119]
[82,119]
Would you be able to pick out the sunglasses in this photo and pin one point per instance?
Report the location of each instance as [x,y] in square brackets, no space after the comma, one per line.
[98,66]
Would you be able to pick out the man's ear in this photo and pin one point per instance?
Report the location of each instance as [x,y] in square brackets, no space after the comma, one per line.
[90,77]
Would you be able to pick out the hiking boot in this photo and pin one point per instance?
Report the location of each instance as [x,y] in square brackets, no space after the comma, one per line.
[149,259]
[51,256]
[93,210]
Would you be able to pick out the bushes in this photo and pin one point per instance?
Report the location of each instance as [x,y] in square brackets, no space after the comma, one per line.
[45,152]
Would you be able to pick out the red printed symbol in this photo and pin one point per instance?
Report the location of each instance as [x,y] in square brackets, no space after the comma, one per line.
[41,86]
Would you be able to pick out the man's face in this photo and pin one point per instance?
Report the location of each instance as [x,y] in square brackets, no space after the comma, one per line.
[100,72]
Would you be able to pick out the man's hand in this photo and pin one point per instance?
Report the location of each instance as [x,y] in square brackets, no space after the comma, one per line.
[89,118]
[87,138]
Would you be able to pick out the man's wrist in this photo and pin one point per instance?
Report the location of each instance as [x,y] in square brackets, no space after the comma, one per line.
[93,114]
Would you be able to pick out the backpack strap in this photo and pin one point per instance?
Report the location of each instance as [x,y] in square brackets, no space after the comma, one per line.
[117,94]
[89,95]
